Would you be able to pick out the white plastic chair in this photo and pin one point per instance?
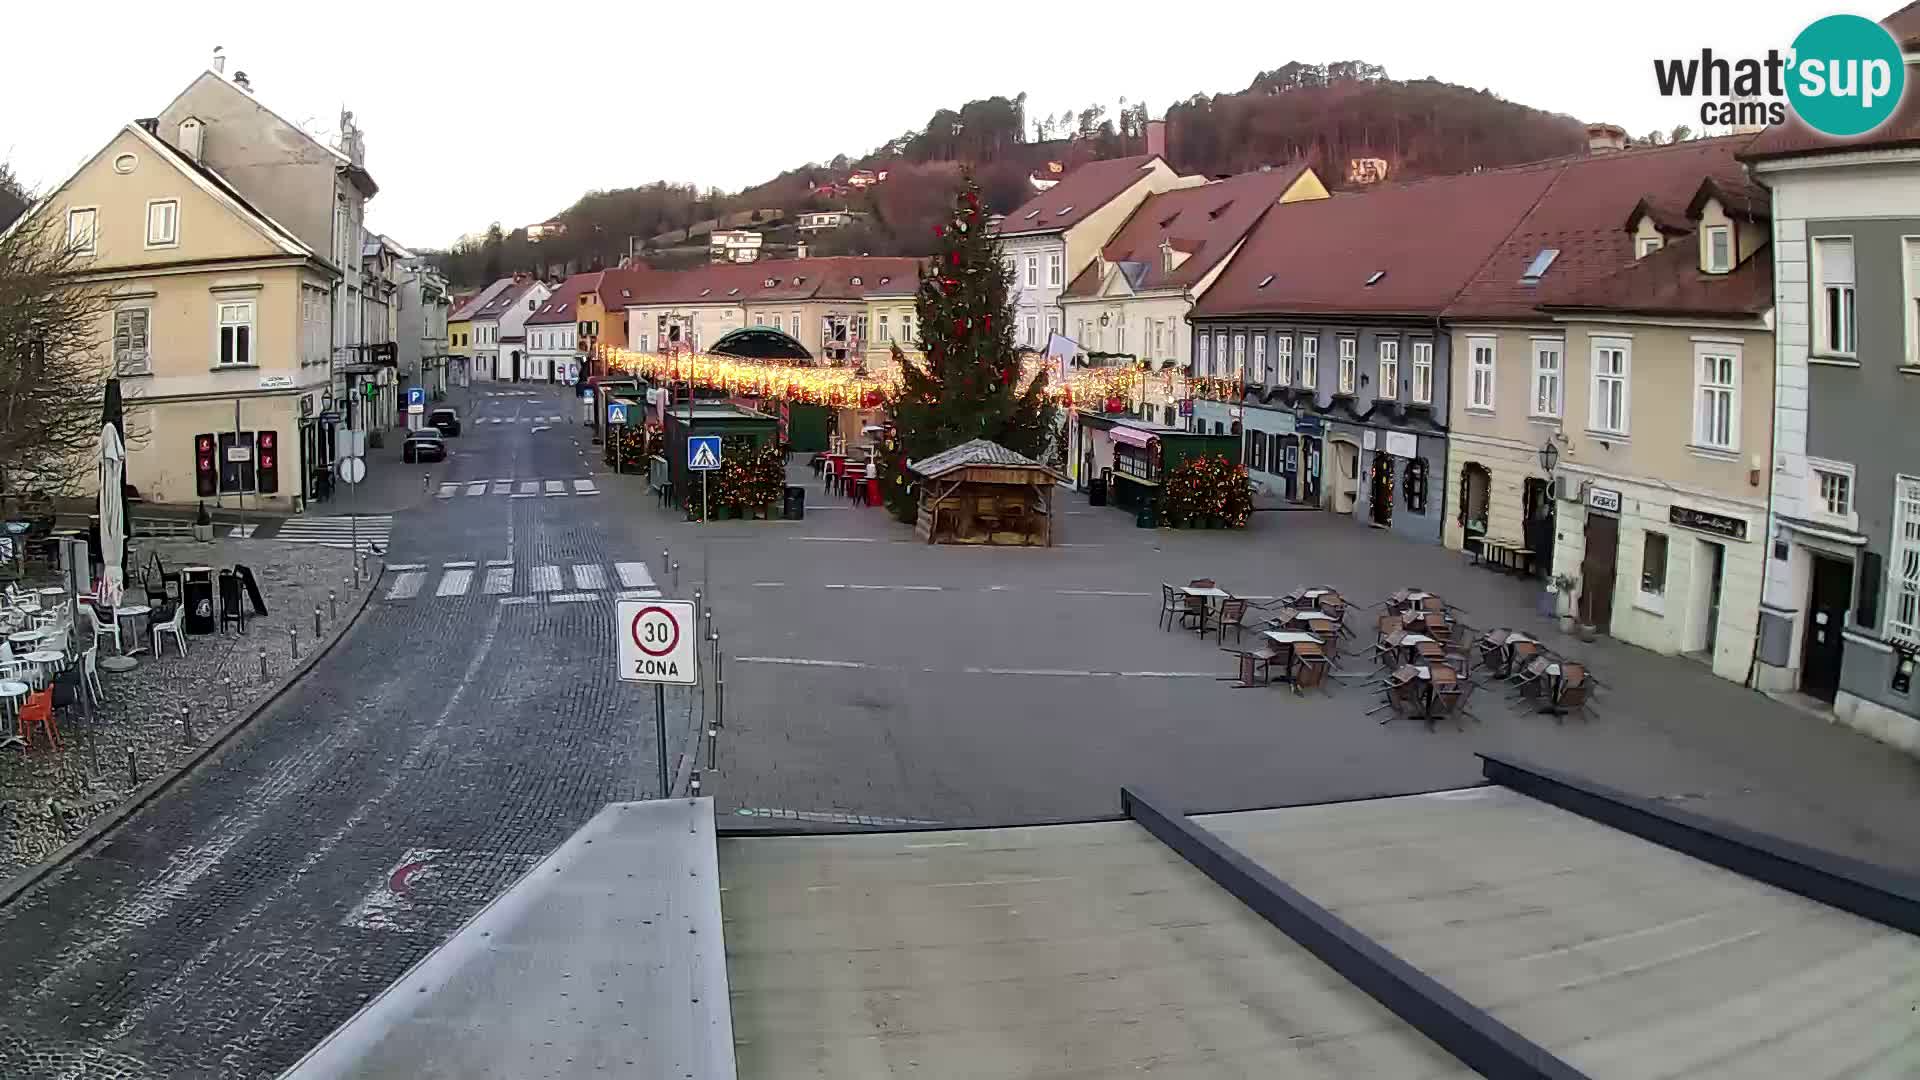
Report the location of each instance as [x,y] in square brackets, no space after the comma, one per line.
[171,627]
[110,628]
[12,668]
[90,674]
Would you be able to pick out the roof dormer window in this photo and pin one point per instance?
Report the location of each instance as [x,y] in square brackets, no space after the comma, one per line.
[735,291]
[884,280]
[769,283]
[797,281]
[1214,214]
[1717,248]
[856,279]
[1537,269]
[1647,245]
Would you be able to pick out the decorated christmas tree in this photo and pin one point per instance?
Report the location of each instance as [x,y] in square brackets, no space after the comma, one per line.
[969,386]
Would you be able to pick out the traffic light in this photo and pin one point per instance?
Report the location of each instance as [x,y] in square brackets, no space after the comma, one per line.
[267,469]
[205,481]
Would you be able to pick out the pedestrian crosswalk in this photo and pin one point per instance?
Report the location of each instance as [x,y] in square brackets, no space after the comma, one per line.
[518,489]
[511,393]
[519,419]
[371,530]
[553,582]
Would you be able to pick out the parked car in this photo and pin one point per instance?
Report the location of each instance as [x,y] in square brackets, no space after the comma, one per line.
[445,421]
[427,444]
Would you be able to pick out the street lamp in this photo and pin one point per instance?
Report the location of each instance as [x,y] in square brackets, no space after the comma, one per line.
[1549,455]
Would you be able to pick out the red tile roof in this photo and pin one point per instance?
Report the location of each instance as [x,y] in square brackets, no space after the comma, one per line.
[1670,282]
[504,300]
[1427,238]
[475,301]
[1580,215]
[619,286]
[1078,194]
[563,306]
[1205,222]
[1904,25]
[793,280]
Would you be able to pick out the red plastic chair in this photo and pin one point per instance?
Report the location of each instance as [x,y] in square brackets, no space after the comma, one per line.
[39,710]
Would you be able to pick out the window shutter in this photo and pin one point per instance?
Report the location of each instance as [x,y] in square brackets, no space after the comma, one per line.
[1866,609]
[1836,262]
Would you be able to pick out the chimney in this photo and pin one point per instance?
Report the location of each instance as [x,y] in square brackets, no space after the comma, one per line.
[1166,257]
[240,80]
[800,250]
[1157,137]
[1606,138]
[219,60]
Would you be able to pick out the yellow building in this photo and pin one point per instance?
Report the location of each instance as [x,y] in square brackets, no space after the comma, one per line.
[217,321]
[460,324]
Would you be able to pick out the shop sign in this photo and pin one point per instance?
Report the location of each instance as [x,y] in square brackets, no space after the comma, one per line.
[1367,439]
[1705,521]
[1309,424]
[1403,444]
[1604,499]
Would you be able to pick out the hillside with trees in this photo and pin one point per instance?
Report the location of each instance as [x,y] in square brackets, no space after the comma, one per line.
[1327,114]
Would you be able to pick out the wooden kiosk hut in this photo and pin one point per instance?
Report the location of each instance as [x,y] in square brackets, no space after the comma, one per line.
[983,493]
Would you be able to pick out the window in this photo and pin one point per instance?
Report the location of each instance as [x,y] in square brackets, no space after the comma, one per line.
[1053,323]
[130,354]
[1029,328]
[1830,494]
[1054,262]
[1389,370]
[1006,264]
[1903,570]
[1653,565]
[1647,245]
[1080,331]
[1310,362]
[1480,359]
[1256,454]
[1537,269]
[1202,364]
[1283,360]
[1260,358]
[886,332]
[1220,354]
[1423,372]
[236,333]
[1033,271]
[163,223]
[1120,338]
[1349,364]
[1716,405]
[1610,366]
[80,231]
[1546,378]
[1719,249]
[1157,334]
[1833,270]
[1239,355]
[793,319]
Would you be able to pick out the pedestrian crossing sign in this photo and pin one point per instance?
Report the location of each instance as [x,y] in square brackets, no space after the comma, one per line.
[703,452]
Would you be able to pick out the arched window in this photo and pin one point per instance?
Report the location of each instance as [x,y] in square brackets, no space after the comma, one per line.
[1415,485]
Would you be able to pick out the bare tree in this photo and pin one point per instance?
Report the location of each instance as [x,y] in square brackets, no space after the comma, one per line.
[53,368]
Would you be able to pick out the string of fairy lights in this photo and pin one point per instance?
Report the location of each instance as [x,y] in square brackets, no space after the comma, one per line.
[1092,387]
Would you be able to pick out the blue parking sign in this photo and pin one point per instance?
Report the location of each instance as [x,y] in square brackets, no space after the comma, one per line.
[703,452]
[416,395]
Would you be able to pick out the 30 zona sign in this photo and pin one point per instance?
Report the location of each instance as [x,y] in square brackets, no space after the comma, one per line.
[658,641]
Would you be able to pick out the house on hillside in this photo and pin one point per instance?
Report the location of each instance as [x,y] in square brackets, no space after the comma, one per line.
[1049,239]
[1132,300]
[733,246]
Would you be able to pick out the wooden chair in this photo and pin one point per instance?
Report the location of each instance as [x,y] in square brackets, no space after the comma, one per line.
[1171,606]
[1202,583]
[1492,647]
[1232,611]
[1530,679]
[1336,609]
[1255,662]
[1310,666]
[1431,602]
[1386,648]
[1195,612]
[1430,652]
[1402,689]
[1450,692]
[1519,655]
[1574,688]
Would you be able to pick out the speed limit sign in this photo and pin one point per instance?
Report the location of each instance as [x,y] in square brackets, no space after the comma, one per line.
[657,641]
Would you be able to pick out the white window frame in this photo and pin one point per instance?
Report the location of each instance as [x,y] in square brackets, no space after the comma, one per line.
[886,331]
[1221,357]
[1283,360]
[1028,325]
[1712,233]
[1008,263]
[1239,354]
[1033,271]
[1053,323]
[1848,294]
[131,360]
[1817,507]
[1903,562]
[1650,244]
[1556,377]
[1349,371]
[1596,423]
[1310,361]
[1389,375]
[1482,387]
[1910,297]
[91,231]
[1055,265]
[1423,372]
[1703,352]
[1260,358]
[906,327]
[1202,360]
[222,323]
[169,241]
[1159,338]
[1120,336]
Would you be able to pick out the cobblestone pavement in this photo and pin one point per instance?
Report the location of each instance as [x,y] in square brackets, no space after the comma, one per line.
[443,745]
[48,797]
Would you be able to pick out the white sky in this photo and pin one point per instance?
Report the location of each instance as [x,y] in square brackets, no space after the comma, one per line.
[476,112]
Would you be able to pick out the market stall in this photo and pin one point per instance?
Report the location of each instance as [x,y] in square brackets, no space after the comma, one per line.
[983,493]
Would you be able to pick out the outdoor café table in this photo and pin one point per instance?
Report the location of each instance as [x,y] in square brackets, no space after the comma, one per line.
[11,694]
[125,661]
[1287,639]
[1315,619]
[45,659]
[27,637]
[1412,641]
[1210,593]
[52,593]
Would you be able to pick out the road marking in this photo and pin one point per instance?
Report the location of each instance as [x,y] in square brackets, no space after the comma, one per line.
[533,495]
[1099,592]
[640,594]
[585,487]
[465,564]
[995,881]
[796,661]
[541,427]
[836,816]
[454,583]
[1167,674]
[546,579]
[836,586]
[502,487]
[555,487]
[1060,672]
[573,597]
[499,562]
[1079,545]
[769,584]
[529,487]
[923,588]
[499,580]
[634,575]
[448,491]
[947,843]
[476,487]
[841,539]
[406,566]
[588,576]
[519,600]
[869,586]
[407,585]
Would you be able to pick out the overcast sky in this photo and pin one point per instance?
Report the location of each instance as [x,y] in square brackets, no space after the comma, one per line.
[475,114]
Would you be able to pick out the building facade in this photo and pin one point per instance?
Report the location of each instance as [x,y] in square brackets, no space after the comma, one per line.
[553,332]
[423,338]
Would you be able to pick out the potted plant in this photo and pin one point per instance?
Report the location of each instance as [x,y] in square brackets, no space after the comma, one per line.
[1561,588]
[1586,628]
[203,525]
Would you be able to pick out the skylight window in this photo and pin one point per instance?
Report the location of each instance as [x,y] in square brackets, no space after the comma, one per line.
[1215,213]
[769,283]
[1067,209]
[798,280]
[706,292]
[1264,282]
[735,291]
[1538,267]
[1031,214]
[1167,222]
[884,280]
[856,279]
[625,294]
[1374,278]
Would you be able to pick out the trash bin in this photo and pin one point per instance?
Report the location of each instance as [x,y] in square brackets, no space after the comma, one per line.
[795,507]
[1097,491]
[196,591]
[1144,519]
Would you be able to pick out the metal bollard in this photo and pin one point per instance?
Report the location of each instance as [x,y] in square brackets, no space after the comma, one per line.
[676,576]
[186,725]
[720,702]
[293,646]
[425,481]
[696,603]
[59,813]
[693,786]
[333,607]
[133,767]
[316,622]
[666,559]
[713,747]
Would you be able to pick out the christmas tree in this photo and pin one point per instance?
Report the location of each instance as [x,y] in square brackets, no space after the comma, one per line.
[969,385]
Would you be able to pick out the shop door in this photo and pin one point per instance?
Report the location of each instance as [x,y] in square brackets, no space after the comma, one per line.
[1312,466]
[1290,466]
[1380,490]
[1597,570]
[1714,561]
[1821,646]
[1346,477]
[1539,525]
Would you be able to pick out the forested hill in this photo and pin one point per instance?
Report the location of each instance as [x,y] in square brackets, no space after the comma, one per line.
[1330,114]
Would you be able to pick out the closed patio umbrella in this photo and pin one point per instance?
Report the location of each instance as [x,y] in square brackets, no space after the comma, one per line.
[113,514]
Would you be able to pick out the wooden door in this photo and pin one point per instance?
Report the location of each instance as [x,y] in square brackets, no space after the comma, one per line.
[1821,646]
[1597,570]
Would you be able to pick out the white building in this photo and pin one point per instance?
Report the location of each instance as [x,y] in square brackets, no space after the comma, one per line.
[733,245]
[553,332]
[499,330]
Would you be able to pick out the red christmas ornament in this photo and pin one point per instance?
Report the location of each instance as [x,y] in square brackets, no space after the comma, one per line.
[938,231]
[954,257]
[986,321]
